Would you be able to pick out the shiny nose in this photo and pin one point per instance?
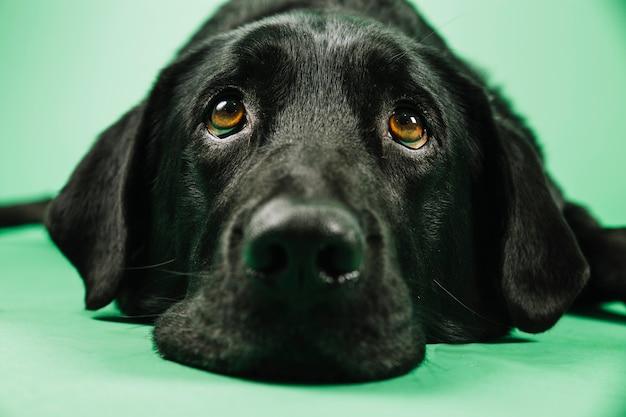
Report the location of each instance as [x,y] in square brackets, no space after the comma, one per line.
[300,250]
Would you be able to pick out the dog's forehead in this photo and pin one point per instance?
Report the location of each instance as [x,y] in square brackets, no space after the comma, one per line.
[322,45]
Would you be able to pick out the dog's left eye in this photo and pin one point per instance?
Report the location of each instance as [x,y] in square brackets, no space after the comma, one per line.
[227,117]
[406,127]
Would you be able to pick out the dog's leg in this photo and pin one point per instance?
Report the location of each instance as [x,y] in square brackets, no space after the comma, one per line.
[605,250]
[21,214]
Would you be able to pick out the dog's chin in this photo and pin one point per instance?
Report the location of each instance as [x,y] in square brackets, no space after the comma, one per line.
[337,351]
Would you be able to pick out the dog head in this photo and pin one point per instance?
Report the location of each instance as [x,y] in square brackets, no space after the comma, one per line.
[315,196]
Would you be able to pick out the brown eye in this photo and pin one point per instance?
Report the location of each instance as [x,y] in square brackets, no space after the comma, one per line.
[227,117]
[406,128]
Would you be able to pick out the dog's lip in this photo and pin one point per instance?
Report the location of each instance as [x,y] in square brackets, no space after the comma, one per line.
[293,352]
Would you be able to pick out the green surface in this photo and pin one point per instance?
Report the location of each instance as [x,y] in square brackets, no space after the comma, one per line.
[68,68]
[57,360]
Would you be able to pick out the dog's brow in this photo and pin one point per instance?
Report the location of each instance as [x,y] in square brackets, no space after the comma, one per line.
[261,43]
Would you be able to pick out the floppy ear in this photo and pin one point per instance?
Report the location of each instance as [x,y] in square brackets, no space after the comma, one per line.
[543,269]
[88,220]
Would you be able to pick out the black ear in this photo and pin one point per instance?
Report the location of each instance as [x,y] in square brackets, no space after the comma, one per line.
[88,220]
[543,268]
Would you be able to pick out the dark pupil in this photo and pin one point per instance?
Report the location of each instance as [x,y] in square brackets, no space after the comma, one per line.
[406,120]
[229,107]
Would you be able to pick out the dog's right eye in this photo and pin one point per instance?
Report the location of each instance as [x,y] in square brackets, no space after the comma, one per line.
[227,117]
[406,127]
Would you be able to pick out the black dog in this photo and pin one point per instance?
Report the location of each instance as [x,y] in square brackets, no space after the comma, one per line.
[315,189]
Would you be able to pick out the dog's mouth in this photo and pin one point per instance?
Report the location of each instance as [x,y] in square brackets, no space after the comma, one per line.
[306,292]
[317,347]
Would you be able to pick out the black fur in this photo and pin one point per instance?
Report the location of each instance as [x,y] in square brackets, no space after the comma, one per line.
[25,213]
[458,241]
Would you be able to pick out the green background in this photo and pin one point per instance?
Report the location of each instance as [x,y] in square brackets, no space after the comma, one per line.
[69,68]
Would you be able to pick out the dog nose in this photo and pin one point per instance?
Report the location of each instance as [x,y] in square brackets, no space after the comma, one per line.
[301,249]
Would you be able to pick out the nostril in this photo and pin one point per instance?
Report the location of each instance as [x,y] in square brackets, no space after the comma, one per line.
[265,257]
[298,249]
[339,263]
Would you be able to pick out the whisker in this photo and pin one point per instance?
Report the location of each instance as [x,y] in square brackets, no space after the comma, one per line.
[167,299]
[141,316]
[434,32]
[181,273]
[138,320]
[465,306]
[154,266]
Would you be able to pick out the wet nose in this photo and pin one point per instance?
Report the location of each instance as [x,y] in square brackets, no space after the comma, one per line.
[301,250]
